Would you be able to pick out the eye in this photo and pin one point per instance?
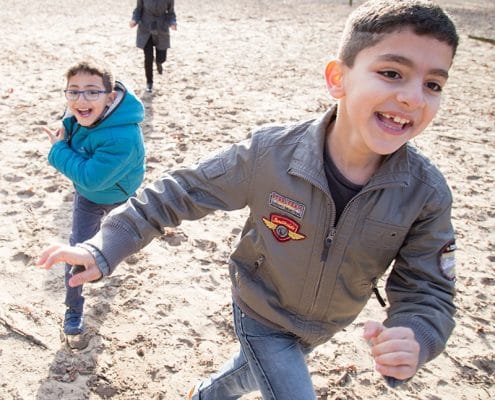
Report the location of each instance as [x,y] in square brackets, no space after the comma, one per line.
[72,92]
[93,92]
[434,86]
[390,74]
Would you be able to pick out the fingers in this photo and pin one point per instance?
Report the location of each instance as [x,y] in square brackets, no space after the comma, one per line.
[52,255]
[71,255]
[395,351]
[401,372]
[92,273]
[42,262]
[395,333]
[56,135]
[48,131]
[372,329]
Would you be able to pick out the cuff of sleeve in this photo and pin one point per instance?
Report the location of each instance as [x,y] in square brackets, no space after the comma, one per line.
[101,262]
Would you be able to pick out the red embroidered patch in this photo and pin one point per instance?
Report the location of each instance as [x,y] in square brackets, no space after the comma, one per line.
[286,204]
[283,228]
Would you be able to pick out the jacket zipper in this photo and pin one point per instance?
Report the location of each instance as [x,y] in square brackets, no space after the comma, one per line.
[71,135]
[328,242]
[331,235]
[333,230]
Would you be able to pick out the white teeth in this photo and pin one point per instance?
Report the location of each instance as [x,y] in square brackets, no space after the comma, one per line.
[396,119]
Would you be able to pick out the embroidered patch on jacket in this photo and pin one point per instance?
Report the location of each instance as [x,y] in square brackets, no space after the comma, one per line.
[446,260]
[288,205]
[283,228]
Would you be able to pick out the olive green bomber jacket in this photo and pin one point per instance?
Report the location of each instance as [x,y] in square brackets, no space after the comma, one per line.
[292,267]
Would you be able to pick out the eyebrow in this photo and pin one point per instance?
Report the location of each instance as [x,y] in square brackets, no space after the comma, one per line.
[409,63]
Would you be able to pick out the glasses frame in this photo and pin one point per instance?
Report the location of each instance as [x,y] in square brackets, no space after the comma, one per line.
[70,92]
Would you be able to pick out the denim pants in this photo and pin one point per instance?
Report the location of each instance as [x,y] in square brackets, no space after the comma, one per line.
[86,220]
[269,360]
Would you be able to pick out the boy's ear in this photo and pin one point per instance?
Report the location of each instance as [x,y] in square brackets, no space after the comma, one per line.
[333,76]
[111,98]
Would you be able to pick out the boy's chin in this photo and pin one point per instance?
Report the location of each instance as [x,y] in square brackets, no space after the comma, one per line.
[84,122]
[386,150]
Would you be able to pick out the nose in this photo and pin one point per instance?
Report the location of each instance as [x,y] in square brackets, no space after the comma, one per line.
[412,95]
[81,99]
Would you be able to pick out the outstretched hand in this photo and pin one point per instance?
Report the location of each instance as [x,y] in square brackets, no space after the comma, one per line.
[56,135]
[395,350]
[71,255]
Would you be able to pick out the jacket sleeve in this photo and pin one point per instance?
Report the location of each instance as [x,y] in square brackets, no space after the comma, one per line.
[221,182]
[420,287]
[172,18]
[104,168]
[138,11]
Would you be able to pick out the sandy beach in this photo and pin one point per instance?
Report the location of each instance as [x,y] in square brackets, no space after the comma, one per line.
[163,320]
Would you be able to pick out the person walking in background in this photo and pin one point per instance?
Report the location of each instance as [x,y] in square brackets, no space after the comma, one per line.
[100,148]
[153,18]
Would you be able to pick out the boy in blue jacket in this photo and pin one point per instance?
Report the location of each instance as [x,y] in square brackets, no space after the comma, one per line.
[333,201]
[100,148]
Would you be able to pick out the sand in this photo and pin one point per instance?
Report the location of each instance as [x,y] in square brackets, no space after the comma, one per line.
[162,321]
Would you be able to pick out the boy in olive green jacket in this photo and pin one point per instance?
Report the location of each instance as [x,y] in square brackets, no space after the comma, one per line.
[333,202]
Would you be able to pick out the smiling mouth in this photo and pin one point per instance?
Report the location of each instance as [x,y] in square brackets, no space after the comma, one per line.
[84,112]
[394,121]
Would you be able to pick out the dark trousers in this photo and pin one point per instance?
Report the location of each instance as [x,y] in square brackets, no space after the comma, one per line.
[161,57]
[86,220]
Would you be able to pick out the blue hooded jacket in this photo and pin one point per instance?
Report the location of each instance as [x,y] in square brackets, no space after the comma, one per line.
[105,161]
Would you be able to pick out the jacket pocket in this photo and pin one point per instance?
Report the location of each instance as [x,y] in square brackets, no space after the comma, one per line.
[382,235]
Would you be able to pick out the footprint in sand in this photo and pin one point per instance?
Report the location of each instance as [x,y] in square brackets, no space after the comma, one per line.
[12,178]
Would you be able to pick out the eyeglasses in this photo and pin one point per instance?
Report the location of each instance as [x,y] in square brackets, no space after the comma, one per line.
[89,94]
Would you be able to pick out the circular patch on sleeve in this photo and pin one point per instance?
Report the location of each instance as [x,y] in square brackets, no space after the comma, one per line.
[446,260]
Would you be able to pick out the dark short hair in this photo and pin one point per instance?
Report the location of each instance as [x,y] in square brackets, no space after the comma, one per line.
[368,23]
[93,67]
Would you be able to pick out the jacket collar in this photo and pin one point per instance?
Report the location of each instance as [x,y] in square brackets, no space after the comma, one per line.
[308,162]
[394,170]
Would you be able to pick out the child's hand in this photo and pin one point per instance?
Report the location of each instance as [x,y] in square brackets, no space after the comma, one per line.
[173,27]
[71,255]
[55,136]
[132,23]
[395,350]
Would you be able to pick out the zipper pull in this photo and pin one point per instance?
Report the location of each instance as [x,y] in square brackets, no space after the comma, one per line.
[378,296]
[328,242]
[331,235]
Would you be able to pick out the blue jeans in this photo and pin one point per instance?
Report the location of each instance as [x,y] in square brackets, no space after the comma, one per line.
[269,360]
[86,220]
